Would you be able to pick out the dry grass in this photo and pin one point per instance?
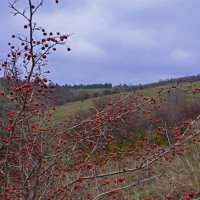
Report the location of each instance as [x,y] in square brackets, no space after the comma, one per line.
[182,177]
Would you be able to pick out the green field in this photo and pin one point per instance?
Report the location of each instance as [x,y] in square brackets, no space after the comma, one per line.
[63,112]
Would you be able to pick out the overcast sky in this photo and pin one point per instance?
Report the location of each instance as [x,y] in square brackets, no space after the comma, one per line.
[115,41]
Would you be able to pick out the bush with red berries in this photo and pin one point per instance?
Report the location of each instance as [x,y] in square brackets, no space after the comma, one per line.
[80,158]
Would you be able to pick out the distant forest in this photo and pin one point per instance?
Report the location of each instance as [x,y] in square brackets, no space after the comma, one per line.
[71,93]
[193,78]
[88,86]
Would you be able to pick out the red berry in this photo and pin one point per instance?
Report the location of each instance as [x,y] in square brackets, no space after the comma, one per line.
[107,181]
[8,77]
[90,166]
[192,194]
[115,180]
[168,197]
[157,120]
[6,141]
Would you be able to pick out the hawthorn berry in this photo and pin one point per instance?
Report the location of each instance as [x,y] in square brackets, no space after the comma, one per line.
[168,197]
[90,166]
[192,194]
[187,198]
[6,141]
[107,181]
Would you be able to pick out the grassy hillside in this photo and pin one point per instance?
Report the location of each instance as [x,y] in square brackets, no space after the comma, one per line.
[63,112]
[177,172]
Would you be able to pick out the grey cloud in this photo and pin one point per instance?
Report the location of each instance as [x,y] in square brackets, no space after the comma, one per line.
[131,41]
